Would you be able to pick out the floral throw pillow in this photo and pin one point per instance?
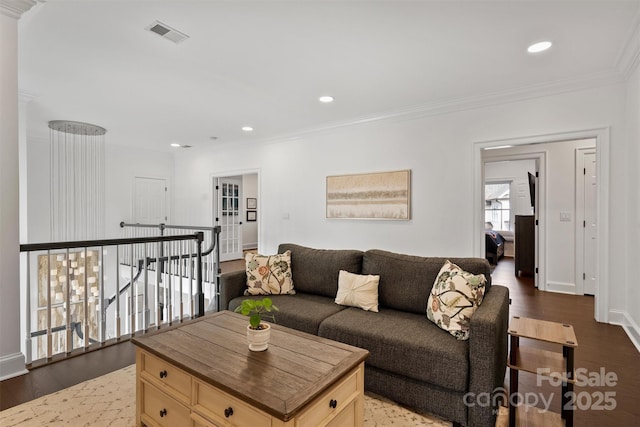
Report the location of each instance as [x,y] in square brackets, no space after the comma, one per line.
[269,274]
[455,296]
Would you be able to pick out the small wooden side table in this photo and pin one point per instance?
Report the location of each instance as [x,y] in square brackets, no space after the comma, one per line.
[527,359]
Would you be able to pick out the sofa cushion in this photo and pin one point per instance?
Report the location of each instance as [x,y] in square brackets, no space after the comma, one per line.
[303,312]
[406,344]
[269,274]
[406,280]
[455,296]
[315,271]
[357,290]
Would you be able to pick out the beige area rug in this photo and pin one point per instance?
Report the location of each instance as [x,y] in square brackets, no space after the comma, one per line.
[110,400]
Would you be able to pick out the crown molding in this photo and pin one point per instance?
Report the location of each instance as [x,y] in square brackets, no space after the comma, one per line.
[629,57]
[15,8]
[469,103]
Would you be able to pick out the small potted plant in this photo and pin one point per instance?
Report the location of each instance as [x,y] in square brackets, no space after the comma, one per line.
[258,333]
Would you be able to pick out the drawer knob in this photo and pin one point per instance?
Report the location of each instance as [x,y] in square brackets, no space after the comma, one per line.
[163,413]
[163,374]
[333,403]
[228,412]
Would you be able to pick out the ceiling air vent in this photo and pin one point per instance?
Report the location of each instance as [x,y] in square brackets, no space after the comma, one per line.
[167,32]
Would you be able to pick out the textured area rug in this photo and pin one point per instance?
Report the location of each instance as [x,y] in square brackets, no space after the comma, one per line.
[110,400]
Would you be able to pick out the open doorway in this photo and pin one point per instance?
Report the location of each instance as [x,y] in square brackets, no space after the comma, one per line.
[514,199]
[235,210]
[558,215]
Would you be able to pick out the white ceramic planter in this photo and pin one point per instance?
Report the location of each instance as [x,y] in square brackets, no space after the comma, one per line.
[258,339]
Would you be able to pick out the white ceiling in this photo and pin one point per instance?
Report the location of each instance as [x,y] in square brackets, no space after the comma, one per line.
[264,63]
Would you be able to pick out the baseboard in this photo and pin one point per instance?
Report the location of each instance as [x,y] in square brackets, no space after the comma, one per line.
[622,318]
[618,317]
[249,246]
[561,288]
[12,365]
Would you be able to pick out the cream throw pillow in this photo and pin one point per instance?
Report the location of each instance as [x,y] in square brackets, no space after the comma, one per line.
[269,274]
[356,290]
[455,296]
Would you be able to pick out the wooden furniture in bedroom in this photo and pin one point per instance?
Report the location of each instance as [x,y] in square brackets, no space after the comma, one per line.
[525,245]
[201,373]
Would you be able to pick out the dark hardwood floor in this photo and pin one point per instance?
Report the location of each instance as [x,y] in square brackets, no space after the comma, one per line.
[600,347]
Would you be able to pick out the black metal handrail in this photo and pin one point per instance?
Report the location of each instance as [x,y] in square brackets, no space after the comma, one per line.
[215,232]
[32,247]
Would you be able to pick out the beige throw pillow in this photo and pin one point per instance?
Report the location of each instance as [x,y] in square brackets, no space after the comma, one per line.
[455,296]
[356,290]
[269,274]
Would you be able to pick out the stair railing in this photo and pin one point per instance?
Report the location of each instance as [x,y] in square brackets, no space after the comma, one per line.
[69,312]
[211,247]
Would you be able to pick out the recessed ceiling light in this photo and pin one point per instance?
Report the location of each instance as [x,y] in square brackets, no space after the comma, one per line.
[175,144]
[539,47]
[325,99]
[247,128]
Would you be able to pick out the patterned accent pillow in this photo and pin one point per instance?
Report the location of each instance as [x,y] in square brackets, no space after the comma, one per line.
[269,274]
[356,290]
[455,296]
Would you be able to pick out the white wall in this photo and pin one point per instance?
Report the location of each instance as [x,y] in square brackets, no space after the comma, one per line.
[38,203]
[633,239]
[122,165]
[438,150]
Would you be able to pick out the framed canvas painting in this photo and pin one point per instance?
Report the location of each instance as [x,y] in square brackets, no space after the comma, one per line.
[381,195]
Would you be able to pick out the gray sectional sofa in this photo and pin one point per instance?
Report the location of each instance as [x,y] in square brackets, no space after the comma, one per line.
[412,361]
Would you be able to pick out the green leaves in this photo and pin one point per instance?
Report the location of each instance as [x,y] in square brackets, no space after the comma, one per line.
[255,309]
[254,320]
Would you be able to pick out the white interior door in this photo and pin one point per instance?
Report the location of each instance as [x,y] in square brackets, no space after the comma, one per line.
[589,223]
[150,201]
[229,208]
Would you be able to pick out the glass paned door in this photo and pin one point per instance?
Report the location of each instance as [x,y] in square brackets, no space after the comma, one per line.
[228,216]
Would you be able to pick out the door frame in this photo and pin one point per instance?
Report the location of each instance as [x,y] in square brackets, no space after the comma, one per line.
[580,230]
[237,172]
[603,156]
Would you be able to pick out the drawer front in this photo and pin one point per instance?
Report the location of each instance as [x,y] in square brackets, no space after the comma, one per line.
[221,407]
[199,421]
[331,402]
[346,417]
[162,409]
[171,379]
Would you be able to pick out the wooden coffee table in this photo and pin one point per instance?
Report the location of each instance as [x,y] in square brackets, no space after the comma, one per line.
[201,373]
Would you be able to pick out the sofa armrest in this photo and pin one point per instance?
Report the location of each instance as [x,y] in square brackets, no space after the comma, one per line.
[488,355]
[232,285]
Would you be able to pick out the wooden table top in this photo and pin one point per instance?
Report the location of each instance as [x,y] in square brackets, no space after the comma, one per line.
[553,332]
[295,369]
